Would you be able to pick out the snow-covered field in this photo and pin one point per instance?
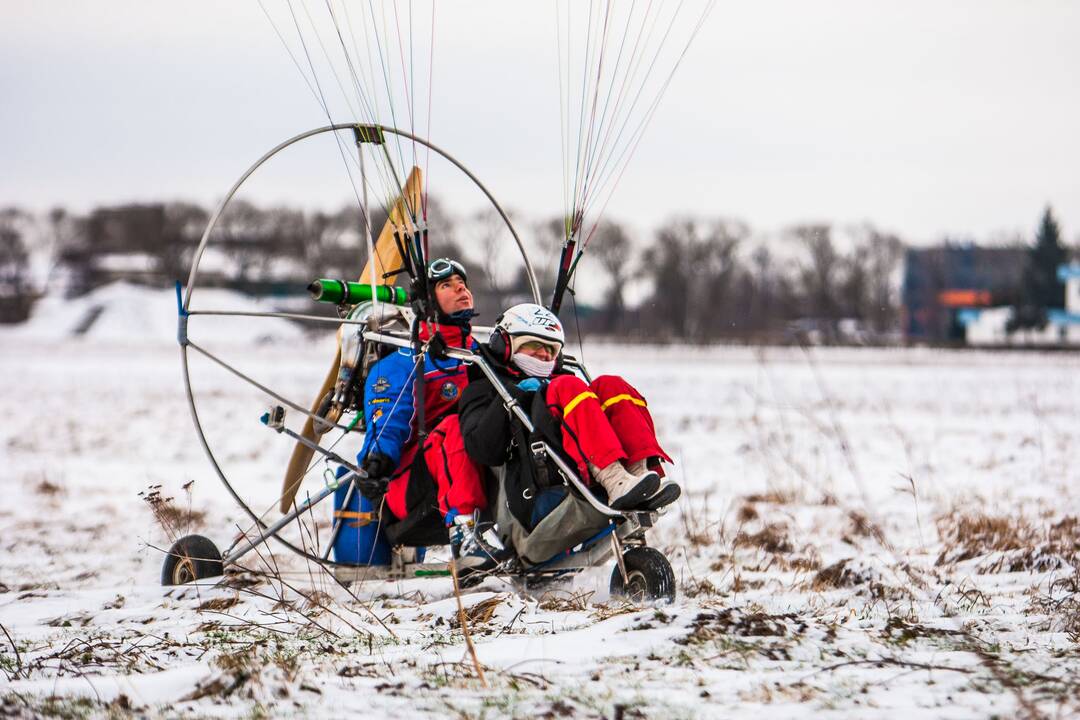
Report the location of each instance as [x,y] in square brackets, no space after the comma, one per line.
[865,533]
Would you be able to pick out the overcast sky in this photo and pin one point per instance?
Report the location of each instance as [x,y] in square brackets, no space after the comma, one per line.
[927,118]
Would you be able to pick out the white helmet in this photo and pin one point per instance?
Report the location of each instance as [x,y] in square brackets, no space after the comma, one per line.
[529,321]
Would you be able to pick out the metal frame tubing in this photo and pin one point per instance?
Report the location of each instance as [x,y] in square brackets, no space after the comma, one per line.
[185,311]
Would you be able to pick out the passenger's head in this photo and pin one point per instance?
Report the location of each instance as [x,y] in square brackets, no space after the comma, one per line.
[530,337]
[449,286]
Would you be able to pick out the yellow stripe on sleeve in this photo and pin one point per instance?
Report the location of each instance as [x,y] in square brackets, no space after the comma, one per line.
[619,398]
[574,403]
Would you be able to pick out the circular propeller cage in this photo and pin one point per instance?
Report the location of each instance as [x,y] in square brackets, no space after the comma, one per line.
[353,322]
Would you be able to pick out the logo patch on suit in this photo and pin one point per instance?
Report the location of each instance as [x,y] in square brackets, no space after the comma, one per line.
[381,385]
[449,391]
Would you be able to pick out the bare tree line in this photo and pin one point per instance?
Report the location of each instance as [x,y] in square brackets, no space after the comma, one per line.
[694,279]
[710,279]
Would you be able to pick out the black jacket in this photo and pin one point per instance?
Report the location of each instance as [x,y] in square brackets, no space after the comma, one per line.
[494,437]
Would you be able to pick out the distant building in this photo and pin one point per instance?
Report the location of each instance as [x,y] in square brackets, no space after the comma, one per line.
[944,285]
[1070,275]
[991,326]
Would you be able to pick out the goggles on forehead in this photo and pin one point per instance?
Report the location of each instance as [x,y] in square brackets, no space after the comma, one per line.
[443,268]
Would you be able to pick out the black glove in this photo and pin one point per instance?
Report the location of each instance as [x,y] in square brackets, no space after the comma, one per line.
[377,465]
[378,468]
[372,488]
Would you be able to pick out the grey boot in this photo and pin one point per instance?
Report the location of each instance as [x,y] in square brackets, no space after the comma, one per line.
[668,492]
[625,490]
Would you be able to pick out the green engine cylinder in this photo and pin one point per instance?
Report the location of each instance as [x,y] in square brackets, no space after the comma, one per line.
[342,292]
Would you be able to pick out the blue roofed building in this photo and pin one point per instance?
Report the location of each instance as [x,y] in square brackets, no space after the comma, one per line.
[945,287]
[990,326]
[1068,318]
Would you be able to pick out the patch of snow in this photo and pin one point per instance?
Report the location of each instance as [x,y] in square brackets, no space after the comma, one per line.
[122,312]
[810,549]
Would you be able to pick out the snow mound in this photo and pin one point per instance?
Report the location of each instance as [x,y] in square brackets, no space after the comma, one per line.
[123,312]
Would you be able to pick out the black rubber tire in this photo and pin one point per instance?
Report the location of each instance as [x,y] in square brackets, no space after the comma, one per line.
[192,557]
[649,576]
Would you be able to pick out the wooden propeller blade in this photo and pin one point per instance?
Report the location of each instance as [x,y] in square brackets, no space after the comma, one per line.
[302,454]
[387,258]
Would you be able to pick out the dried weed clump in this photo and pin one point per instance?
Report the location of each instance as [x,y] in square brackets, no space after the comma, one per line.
[854,573]
[1064,536]
[747,513]
[699,588]
[239,673]
[843,574]
[720,626]
[1062,605]
[480,613]
[772,538]
[220,604]
[775,541]
[860,526]
[1009,544]
[903,631]
[565,601]
[173,520]
[969,536]
[774,497]
[49,489]
[810,562]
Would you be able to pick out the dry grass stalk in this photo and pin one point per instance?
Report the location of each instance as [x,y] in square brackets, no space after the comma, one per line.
[696,528]
[93,655]
[317,601]
[464,624]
